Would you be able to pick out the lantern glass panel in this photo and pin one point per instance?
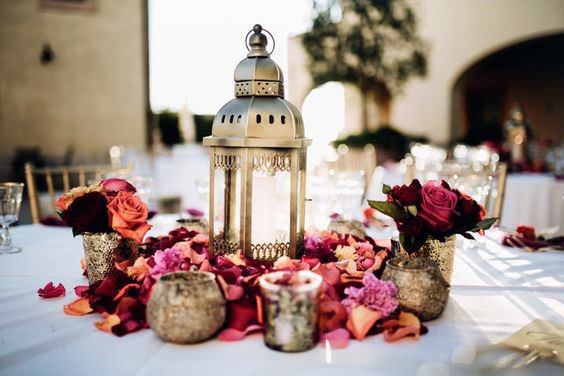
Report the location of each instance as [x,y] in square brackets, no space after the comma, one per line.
[271,207]
[227,209]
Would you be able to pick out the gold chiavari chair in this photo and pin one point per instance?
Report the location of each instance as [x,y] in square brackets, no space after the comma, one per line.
[357,159]
[61,179]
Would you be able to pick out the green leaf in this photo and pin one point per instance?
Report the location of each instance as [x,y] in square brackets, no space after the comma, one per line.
[486,223]
[413,210]
[76,232]
[482,225]
[388,208]
[467,235]
[386,189]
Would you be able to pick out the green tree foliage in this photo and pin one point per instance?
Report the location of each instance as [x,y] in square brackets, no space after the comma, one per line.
[372,44]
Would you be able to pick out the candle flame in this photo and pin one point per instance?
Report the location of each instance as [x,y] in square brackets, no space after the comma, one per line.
[328,355]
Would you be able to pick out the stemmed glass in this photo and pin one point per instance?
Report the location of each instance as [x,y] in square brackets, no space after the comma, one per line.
[10,201]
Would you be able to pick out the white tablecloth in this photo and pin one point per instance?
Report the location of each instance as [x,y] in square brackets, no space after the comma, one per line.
[534,199]
[495,291]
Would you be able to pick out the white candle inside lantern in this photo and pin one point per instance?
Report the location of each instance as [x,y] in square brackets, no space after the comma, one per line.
[264,209]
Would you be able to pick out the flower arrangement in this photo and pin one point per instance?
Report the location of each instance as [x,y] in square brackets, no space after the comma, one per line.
[111,205]
[432,211]
[353,301]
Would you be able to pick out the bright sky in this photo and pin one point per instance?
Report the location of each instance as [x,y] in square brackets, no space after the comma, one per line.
[196,44]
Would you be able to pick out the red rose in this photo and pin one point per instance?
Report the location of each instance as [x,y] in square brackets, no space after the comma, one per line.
[410,227]
[114,185]
[87,213]
[527,231]
[407,195]
[438,206]
[469,210]
[129,216]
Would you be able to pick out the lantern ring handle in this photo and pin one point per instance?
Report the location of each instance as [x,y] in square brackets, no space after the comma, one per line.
[271,37]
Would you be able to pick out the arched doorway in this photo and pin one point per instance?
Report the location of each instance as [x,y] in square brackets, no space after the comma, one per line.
[530,72]
[324,118]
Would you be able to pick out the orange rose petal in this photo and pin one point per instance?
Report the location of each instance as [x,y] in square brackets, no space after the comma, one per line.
[258,299]
[391,336]
[79,307]
[122,266]
[361,319]
[125,289]
[108,322]
[139,270]
[409,319]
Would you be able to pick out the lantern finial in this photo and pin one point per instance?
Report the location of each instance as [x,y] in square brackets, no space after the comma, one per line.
[258,43]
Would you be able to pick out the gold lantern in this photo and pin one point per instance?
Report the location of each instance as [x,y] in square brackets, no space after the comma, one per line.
[257,163]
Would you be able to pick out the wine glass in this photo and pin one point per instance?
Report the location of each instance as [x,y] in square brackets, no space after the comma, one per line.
[10,201]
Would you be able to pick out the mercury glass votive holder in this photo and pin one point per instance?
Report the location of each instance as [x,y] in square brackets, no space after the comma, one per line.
[186,307]
[290,302]
[422,289]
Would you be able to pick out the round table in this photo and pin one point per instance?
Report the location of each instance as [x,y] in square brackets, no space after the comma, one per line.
[534,199]
[496,290]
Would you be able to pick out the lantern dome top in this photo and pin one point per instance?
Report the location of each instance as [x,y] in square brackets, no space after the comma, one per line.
[258,66]
[258,115]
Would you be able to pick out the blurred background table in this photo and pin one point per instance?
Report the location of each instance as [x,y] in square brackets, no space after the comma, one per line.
[534,199]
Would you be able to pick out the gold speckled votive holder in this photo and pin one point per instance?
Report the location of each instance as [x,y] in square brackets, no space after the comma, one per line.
[186,307]
[102,251]
[422,289]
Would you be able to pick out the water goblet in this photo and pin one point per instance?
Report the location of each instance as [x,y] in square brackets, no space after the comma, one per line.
[10,202]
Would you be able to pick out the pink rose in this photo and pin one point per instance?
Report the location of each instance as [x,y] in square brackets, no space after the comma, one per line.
[114,185]
[438,206]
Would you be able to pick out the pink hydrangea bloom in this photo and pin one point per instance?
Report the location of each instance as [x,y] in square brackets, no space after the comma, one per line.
[166,261]
[377,295]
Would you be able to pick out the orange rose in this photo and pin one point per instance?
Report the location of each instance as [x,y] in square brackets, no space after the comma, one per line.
[128,216]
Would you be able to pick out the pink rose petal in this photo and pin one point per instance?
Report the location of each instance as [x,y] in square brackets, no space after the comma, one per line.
[230,334]
[338,338]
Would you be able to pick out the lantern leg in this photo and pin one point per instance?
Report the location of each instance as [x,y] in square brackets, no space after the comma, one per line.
[211,203]
[230,206]
[246,201]
[301,202]
[294,164]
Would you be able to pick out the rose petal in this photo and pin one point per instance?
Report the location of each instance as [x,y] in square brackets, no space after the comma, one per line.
[230,334]
[107,323]
[125,289]
[391,336]
[361,319]
[122,266]
[338,338]
[50,291]
[332,315]
[329,272]
[81,291]
[407,324]
[194,212]
[79,307]
[230,291]
[139,270]
[408,319]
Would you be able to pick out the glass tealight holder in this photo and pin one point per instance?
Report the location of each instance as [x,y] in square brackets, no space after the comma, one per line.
[290,302]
